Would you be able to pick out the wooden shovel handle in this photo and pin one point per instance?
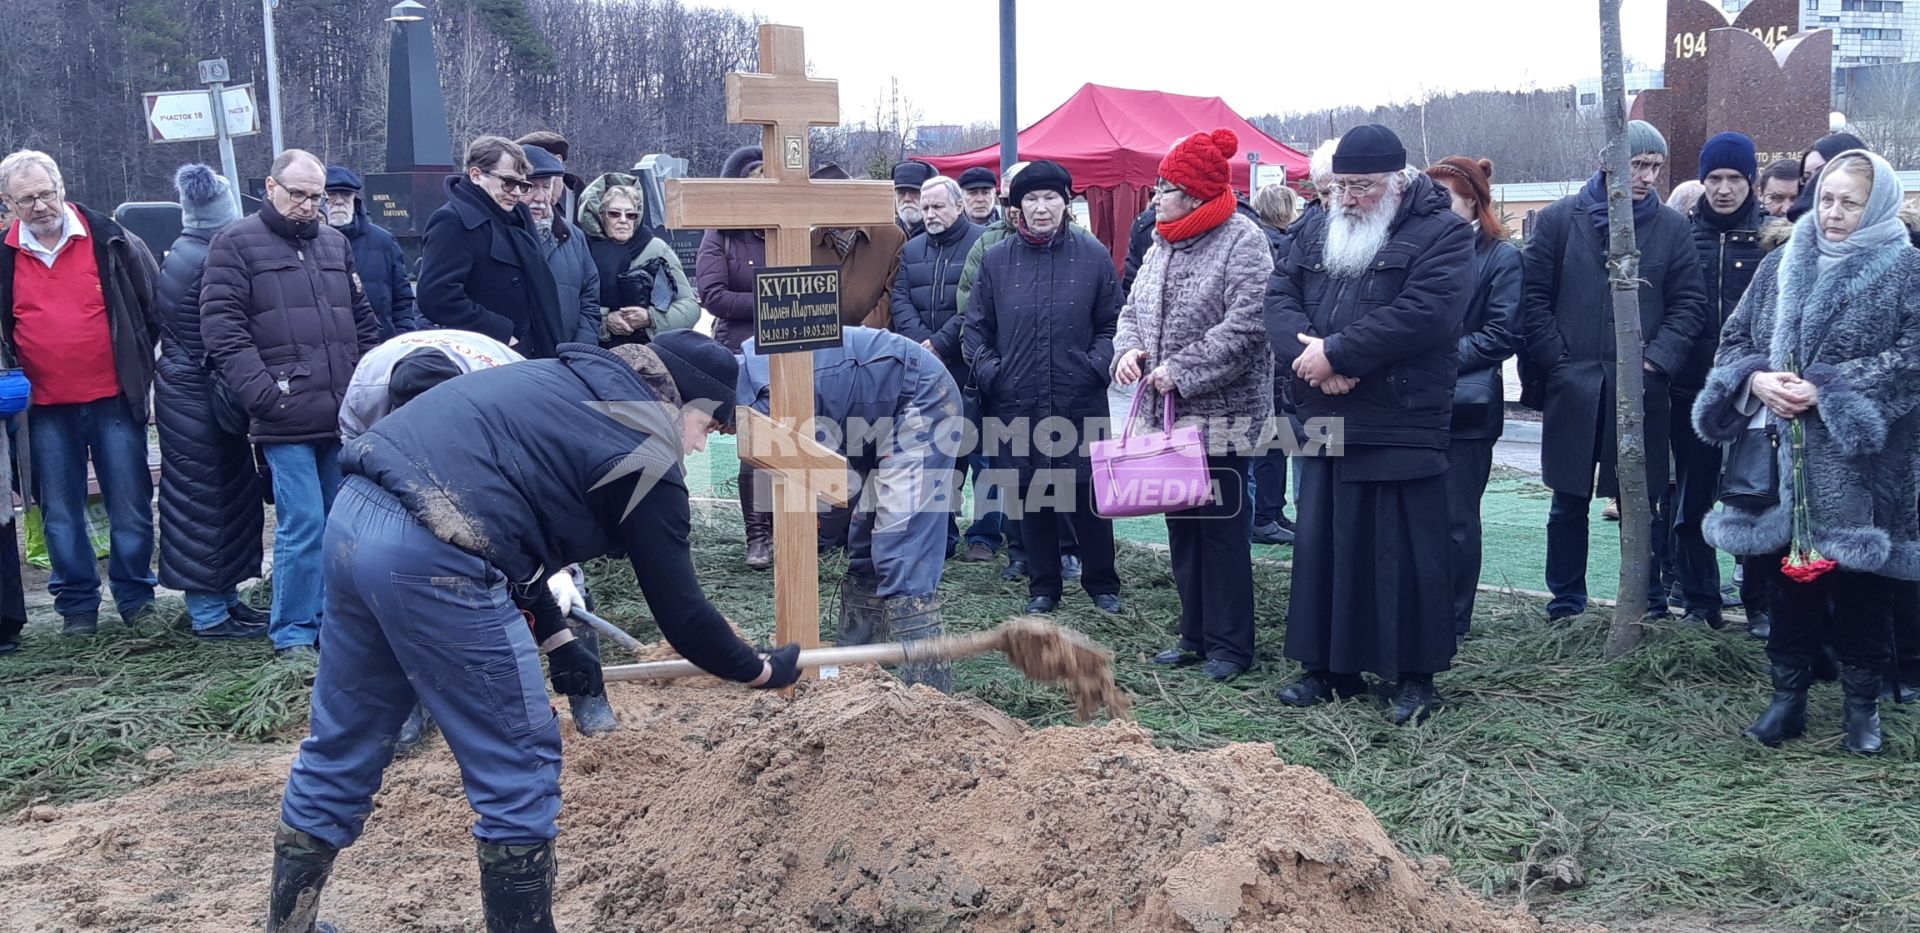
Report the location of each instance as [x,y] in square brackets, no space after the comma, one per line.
[890,653]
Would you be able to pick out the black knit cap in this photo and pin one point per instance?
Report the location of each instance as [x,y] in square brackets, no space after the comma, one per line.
[702,369]
[1044,175]
[1369,150]
[978,177]
[416,373]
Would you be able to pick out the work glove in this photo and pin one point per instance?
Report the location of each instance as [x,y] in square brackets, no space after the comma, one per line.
[574,671]
[566,592]
[785,662]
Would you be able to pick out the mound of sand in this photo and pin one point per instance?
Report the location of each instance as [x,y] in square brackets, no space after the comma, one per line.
[860,805]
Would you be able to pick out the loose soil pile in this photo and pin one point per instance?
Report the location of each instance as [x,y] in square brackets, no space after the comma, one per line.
[860,805]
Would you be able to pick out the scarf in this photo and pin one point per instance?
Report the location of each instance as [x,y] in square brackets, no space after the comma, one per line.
[1204,219]
[1816,275]
[1880,223]
[287,227]
[610,259]
[1036,239]
[1593,200]
[1721,223]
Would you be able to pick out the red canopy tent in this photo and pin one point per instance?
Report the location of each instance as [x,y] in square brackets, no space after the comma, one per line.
[1112,140]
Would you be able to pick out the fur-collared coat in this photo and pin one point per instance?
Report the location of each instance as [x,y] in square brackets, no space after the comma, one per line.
[1856,336]
[1196,308]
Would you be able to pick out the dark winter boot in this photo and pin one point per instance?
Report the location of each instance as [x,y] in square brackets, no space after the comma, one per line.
[516,887]
[1861,720]
[413,732]
[591,715]
[913,618]
[759,521]
[1412,699]
[1316,687]
[1786,717]
[863,614]
[300,867]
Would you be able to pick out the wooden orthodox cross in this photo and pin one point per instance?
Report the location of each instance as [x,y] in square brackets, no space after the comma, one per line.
[787,205]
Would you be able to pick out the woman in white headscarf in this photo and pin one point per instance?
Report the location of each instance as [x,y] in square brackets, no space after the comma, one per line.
[1825,347]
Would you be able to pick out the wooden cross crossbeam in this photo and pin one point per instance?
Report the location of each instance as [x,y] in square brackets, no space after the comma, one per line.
[787,205]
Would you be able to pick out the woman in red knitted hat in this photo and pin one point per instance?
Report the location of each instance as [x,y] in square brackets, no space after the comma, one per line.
[1192,329]
[1489,335]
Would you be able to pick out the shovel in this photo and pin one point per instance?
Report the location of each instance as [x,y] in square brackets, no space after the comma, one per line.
[1037,648]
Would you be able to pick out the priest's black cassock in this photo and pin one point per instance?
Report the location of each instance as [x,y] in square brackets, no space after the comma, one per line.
[1371,554]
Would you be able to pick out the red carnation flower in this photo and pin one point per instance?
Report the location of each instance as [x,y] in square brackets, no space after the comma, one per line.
[1800,570]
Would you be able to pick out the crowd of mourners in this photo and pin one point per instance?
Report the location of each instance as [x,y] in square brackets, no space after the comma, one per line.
[1349,348]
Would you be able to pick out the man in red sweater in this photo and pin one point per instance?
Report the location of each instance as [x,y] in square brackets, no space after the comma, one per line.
[76,312]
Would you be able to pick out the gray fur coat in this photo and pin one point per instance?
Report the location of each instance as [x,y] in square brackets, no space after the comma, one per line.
[1196,307]
[1856,336]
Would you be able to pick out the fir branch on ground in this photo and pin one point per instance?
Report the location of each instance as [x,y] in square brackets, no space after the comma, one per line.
[79,718]
[1608,792]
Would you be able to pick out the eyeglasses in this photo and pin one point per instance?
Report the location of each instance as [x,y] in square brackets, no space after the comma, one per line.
[1165,188]
[1358,189]
[49,198]
[298,198]
[512,183]
[621,215]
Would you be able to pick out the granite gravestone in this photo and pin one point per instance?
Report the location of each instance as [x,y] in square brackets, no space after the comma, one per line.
[1753,73]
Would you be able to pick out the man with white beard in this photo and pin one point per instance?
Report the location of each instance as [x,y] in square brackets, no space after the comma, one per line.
[575,277]
[377,259]
[1365,310]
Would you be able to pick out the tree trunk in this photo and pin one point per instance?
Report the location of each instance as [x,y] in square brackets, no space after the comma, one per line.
[1623,263]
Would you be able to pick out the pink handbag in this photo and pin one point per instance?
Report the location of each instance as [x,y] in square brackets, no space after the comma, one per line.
[1150,473]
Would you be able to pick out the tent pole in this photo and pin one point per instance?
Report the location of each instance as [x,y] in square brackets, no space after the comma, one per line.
[1009,110]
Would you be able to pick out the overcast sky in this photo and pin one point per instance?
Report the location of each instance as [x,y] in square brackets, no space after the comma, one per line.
[945,55]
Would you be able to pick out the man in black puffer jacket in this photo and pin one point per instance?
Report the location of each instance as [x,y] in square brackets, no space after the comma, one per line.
[286,322]
[1366,312]
[377,258]
[1726,232]
[210,509]
[926,309]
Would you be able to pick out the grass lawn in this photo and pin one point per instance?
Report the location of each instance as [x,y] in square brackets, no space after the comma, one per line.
[1609,792]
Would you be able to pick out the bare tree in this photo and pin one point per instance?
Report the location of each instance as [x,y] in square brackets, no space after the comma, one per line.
[1623,263]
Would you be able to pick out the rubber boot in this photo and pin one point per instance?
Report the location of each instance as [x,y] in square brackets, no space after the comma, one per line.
[516,887]
[759,520]
[591,715]
[913,618]
[1786,718]
[413,732]
[863,616]
[1412,699]
[300,867]
[1861,720]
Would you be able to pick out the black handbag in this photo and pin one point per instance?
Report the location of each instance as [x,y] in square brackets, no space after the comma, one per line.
[1750,470]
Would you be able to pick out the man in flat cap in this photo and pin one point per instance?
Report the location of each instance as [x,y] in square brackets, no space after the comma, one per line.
[908,176]
[979,190]
[1365,310]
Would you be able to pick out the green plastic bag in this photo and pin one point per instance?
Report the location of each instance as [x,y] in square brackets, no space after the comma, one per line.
[98,531]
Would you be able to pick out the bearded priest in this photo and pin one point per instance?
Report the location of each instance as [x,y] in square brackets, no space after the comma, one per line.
[1365,310]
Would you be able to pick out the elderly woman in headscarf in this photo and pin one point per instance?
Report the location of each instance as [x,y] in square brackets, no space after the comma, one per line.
[1825,350]
[643,289]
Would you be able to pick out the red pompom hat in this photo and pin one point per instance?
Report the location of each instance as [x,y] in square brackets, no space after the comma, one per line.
[1200,164]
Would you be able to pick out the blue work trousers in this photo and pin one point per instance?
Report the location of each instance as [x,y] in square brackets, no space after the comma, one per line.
[413,618]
